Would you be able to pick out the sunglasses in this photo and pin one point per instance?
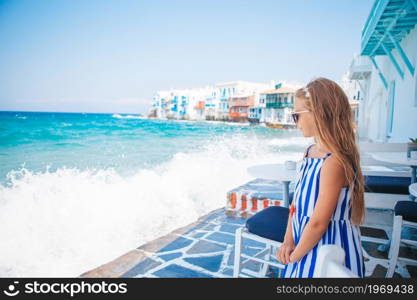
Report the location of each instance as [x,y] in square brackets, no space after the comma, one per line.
[296,115]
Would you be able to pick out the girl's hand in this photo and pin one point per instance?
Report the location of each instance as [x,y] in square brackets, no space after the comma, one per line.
[293,259]
[284,252]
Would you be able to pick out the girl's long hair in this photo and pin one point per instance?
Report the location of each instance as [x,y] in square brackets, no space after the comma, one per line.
[336,131]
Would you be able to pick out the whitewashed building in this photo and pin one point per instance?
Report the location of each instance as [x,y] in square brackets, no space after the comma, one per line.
[279,103]
[384,77]
[227,90]
[257,113]
[185,104]
[209,103]
[159,104]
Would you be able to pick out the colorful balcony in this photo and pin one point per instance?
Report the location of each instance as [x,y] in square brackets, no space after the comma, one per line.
[238,114]
[200,105]
[279,105]
[360,68]
[389,22]
[242,101]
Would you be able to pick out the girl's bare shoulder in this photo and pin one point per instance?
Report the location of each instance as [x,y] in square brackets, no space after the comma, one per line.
[333,170]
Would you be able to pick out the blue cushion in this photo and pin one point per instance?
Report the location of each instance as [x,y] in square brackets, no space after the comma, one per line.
[387,184]
[270,223]
[406,209]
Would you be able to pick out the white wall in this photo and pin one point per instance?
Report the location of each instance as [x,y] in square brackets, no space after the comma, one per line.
[374,110]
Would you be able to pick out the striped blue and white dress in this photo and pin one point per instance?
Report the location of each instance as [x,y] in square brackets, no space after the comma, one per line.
[340,230]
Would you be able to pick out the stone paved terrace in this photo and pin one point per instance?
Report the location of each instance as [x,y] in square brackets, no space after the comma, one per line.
[205,249]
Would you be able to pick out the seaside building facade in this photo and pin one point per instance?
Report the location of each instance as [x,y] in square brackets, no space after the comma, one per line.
[225,92]
[199,109]
[186,104]
[234,90]
[384,77]
[211,105]
[229,101]
[257,113]
[159,105]
[239,107]
[279,103]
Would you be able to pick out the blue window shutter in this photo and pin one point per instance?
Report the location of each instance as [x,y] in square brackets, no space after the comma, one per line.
[391,104]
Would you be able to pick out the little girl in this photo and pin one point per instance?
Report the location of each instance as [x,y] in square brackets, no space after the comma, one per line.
[328,201]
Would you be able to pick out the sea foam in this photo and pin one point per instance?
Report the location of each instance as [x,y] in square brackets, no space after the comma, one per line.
[69,221]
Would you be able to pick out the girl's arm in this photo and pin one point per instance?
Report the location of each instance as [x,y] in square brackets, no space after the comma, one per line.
[332,179]
[288,233]
[284,252]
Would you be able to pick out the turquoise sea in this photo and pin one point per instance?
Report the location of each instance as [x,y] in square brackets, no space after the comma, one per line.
[78,189]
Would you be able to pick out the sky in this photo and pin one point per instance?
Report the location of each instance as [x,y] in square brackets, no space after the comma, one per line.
[111,56]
